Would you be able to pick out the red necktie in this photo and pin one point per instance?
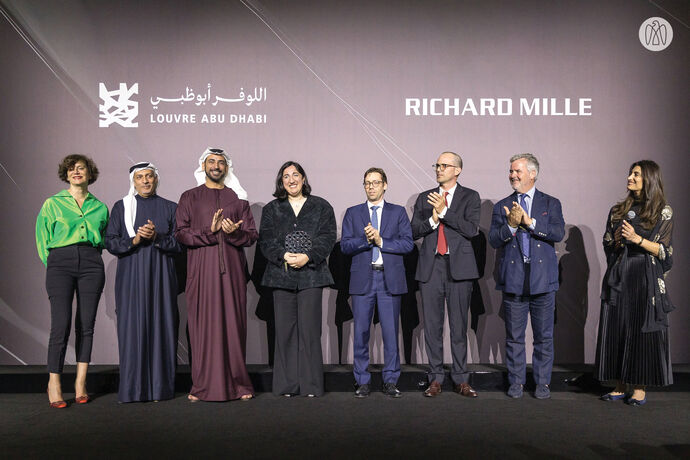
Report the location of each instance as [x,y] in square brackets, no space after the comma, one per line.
[442,245]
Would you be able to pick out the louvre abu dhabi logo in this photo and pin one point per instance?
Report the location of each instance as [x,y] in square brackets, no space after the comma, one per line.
[656,34]
[117,106]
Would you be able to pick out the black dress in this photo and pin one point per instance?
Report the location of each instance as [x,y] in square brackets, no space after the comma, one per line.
[633,345]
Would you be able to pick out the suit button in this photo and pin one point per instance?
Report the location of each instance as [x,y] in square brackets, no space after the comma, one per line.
[539,260]
[514,246]
[512,261]
[538,245]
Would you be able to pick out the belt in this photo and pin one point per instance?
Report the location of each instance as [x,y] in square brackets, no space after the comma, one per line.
[377,267]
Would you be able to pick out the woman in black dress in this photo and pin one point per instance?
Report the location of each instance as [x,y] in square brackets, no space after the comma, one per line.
[633,348]
[296,236]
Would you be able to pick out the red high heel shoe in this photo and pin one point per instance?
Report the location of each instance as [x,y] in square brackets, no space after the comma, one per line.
[82,399]
[57,404]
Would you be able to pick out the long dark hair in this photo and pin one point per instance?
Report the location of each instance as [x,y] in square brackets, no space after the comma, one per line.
[651,199]
[280,192]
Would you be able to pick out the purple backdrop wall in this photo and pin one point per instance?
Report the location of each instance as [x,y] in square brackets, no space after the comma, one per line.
[336,77]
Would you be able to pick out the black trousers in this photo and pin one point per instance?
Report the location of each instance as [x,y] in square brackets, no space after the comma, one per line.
[442,290]
[71,269]
[298,362]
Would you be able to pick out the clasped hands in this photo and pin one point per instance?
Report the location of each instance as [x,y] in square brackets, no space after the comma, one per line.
[438,203]
[516,215]
[145,232]
[295,260]
[227,225]
[373,236]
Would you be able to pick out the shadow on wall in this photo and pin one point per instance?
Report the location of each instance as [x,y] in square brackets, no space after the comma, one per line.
[572,296]
[490,327]
[259,300]
[109,290]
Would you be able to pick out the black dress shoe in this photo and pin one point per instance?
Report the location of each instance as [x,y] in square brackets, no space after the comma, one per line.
[389,389]
[362,391]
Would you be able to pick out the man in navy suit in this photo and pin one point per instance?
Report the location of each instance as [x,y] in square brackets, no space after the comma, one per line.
[447,217]
[524,228]
[377,234]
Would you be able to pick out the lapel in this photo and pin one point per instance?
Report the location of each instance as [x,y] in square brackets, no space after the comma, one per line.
[284,206]
[385,216]
[456,198]
[306,207]
[537,204]
[365,215]
[508,202]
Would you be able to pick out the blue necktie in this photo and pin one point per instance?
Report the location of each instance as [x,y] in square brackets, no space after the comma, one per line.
[524,236]
[375,223]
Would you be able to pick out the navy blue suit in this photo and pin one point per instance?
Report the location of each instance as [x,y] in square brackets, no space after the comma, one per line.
[370,288]
[528,287]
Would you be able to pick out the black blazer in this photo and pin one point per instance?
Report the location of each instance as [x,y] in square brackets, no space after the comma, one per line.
[317,219]
[461,225]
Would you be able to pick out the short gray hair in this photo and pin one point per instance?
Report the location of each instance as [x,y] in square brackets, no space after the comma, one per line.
[458,158]
[532,162]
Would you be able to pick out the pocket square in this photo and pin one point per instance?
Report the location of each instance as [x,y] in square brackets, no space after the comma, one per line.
[544,213]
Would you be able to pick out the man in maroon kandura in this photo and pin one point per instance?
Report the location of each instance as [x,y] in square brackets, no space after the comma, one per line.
[215,223]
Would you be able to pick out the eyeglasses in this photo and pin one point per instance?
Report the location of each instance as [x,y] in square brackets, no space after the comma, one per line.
[216,150]
[442,166]
[374,183]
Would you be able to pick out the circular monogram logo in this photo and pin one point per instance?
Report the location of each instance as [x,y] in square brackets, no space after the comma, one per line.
[656,34]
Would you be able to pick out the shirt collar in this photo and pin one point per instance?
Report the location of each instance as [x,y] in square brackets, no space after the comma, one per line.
[67,193]
[530,192]
[370,204]
[451,191]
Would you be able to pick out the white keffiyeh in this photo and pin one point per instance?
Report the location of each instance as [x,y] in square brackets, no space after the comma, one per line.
[129,202]
[230,179]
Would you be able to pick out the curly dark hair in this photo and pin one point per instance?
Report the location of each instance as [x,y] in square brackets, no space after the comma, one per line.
[280,191]
[68,163]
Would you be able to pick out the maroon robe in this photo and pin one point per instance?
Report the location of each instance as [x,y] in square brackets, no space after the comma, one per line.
[216,291]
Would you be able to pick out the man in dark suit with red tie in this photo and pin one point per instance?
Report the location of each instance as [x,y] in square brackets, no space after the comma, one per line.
[377,234]
[447,217]
[524,228]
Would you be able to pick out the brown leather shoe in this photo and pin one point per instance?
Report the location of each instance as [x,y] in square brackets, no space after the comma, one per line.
[465,389]
[433,390]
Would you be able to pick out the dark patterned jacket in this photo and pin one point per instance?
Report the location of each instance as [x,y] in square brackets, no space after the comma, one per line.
[317,220]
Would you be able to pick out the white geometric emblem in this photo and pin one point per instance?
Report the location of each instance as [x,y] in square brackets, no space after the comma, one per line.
[117,106]
[656,34]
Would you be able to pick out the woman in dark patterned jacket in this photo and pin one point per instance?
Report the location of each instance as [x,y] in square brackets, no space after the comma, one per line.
[633,348]
[296,235]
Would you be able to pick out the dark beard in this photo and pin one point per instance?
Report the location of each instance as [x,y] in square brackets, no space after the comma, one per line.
[213,179]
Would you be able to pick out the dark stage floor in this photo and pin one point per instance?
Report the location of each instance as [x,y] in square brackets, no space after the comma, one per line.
[570,425]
